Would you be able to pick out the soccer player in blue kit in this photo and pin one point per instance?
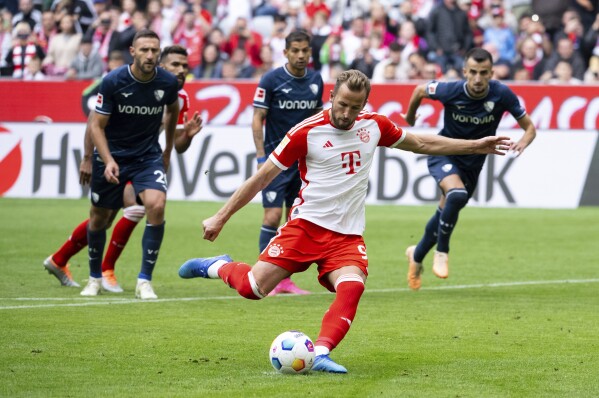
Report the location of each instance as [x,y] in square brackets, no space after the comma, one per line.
[473,109]
[284,97]
[125,128]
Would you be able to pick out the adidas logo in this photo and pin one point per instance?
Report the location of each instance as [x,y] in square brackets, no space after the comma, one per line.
[327,144]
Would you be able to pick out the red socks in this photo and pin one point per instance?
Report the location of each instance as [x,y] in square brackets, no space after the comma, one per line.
[120,236]
[73,245]
[239,277]
[341,313]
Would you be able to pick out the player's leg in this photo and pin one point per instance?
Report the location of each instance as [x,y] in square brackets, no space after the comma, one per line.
[132,214]
[99,220]
[107,199]
[348,284]
[283,190]
[57,263]
[455,197]
[154,202]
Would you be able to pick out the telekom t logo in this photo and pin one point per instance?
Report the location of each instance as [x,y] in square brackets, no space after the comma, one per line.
[353,161]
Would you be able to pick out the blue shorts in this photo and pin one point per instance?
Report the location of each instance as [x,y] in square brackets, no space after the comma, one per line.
[441,166]
[283,189]
[146,174]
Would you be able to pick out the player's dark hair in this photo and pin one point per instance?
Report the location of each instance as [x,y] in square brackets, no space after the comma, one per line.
[354,80]
[295,36]
[145,33]
[479,55]
[174,49]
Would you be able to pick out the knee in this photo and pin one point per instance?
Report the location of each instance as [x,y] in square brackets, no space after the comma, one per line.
[457,198]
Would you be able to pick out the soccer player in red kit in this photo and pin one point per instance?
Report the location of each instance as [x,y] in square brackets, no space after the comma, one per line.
[335,149]
[174,60]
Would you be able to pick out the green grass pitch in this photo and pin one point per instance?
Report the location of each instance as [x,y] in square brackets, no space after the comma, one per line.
[518,316]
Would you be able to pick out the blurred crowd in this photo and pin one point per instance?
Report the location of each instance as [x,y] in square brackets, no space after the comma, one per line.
[549,41]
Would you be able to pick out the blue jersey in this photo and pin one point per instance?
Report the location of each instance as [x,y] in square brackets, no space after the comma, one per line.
[469,118]
[135,110]
[289,101]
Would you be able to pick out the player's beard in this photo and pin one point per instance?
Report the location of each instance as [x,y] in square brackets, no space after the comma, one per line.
[341,124]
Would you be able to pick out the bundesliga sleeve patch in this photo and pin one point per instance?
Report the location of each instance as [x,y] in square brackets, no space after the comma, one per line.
[259,95]
[432,88]
[99,100]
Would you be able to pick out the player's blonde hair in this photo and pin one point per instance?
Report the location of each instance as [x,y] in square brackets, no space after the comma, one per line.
[354,80]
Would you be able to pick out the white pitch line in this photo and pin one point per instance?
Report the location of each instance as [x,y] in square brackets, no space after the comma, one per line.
[85,302]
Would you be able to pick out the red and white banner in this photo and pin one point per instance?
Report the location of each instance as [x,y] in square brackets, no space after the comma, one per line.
[559,170]
[551,107]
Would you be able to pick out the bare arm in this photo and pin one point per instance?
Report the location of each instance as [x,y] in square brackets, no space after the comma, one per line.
[85,168]
[183,136]
[530,132]
[98,136]
[241,197]
[258,131]
[432,144]
[418,95]
[170,124]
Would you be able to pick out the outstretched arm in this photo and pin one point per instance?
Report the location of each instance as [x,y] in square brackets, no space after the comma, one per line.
[418,95]
[530,132]
[246,192]
[432,144]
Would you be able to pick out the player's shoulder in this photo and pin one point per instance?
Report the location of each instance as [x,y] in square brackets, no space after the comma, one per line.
[308,124]
[164,75]
[499,87]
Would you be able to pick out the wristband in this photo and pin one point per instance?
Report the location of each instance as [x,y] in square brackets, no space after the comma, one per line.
[261,159]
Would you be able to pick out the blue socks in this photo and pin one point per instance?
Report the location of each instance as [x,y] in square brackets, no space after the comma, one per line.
[455,200]
[429,239]
[95,248]
[266,234]
[150,243]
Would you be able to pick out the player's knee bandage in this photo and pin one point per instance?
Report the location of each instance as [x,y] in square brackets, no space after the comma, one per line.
[457,198]
[249,288]
[134,213]
[349,278]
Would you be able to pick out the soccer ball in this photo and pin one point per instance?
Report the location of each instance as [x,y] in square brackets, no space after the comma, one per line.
[292,352]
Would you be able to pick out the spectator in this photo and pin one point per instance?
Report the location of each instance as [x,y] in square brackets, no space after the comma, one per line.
[490,12]
[587,10]
[531,59]
[100,6]
[212,63]
[229,71]
[573,30]
[501,36]
[23,50]
[343,12]
[63,48]
[521,74]
[83,10]
[139,21]
[332,53]
[409,41]
[591,75]
[158,23]
[534,28]
[416,63]
[5,40]
[550,12]
[562,74]
[267,62]
[379,22]
[449,35]
[242,37]
[103,35]
[87,64]
[126,15]
[394,58]
[277,40]
[320,30]
[364,60]
[27,14]
[33,71]
[351,40]
[590,42]
[502,67]
[243,66]
[314,6]
[190,35]
[564,52]
[47,30]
